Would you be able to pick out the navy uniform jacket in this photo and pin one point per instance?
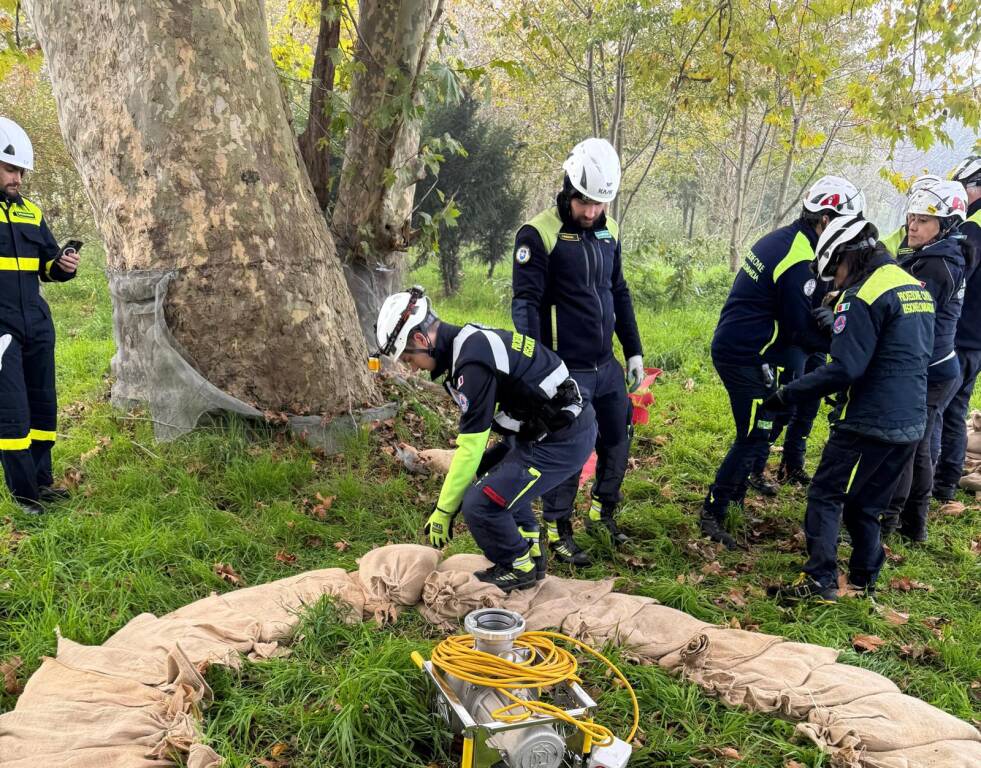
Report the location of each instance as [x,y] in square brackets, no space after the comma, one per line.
[28,253]
[768,310]
[501,381]
[940,268]
[577,274]
[969,327]
[880,347]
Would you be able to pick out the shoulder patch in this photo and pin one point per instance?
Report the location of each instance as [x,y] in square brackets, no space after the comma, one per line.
[840,323]
[572,237]
[523,254]
[603,234]
[809,287]
[843,307]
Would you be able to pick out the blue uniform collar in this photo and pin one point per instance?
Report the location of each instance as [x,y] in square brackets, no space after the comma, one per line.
[443,348]
[949,249]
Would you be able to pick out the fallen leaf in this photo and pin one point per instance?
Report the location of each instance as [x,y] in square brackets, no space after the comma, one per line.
[736,597]
[952,508]
[918,652]
[711,569]
[265,762]
[936,624]
[792,764]
[278,748]
[276,417]
[285,557]
[729,752]
[895,618]
[8,670]
[342,545]
[734,623]
[72,479]
[227,573]
[690,385]
[893,557]
[660,440]
[906,584]
[976,546]
[867,643]
[313,542]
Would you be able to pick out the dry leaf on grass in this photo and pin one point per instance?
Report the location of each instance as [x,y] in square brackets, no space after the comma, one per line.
[8,670]
[689,385]
[867,643]
[918,652]
[342,545]
[895,618]
[906,584]
[227,573]
[711,569]
[287,558]
[730,752]
[952,508]
[792,764]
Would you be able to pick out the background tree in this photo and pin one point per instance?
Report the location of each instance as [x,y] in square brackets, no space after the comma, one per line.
[174,116]
[482,182]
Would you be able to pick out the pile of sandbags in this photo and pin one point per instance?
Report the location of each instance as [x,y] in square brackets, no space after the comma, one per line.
[136,700]
[971,479]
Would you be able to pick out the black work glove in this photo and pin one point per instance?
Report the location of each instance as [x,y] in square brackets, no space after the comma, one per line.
[824,317]
[776,402]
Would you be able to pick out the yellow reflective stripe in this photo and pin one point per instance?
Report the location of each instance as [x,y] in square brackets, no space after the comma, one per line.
[851,477]
[800,250]
[885,278]
[10,264]
[47,267]
[975,217]
[25,213]
[15,443]
[893,241]
[43,434]
[757,402]
[535,474]
[844,408]
[555,327]
[611,224]
[773,338]
[548,224]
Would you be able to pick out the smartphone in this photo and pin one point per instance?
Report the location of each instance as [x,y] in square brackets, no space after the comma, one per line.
[73,245]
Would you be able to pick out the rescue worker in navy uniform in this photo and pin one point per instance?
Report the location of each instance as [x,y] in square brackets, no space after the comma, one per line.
[882,336]
[765,316]
[28,254]
[570,294]
[953,442]
[548,428]
[934,254]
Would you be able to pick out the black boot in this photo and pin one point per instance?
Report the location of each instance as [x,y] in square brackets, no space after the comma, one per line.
[48,494]
[712,527]
[563,546]
[602,515]
[759,483]
[507,579]
[804,588]
[793,476]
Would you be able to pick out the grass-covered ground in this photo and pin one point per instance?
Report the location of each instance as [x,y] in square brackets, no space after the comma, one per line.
[148,523]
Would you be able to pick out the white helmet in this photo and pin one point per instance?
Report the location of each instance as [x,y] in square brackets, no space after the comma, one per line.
[834,195]
[594,169]
[922,182]
[967,171]
[400,313]
[15,146]
[942,199]
[840,236]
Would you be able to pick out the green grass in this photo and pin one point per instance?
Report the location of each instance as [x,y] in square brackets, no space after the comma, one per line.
[149,522]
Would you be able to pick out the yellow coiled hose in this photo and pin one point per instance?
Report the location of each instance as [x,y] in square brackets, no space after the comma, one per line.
[548,665]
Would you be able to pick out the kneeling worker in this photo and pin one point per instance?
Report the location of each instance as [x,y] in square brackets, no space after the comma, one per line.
[882,337]
[549,431]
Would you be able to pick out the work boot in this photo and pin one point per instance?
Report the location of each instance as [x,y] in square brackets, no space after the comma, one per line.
[48,494]
[793,475]
[536,551]
[562,544]
[912,536]
[603,515]
[759,483]
[29,507]
[520,575]
[712,527]
[944,493]
[804,588]
[888,524]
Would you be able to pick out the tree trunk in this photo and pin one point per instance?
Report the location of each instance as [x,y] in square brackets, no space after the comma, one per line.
[173,113]
[316,156]
[788,164]
[735,234]
[381,164]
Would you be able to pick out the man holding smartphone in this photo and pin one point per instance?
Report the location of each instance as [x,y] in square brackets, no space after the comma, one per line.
[29,255]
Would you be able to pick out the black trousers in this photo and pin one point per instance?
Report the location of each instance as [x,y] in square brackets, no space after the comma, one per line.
[747,388]
[606,389]
[953,439]
[28,410]
[911,501]
[853,483]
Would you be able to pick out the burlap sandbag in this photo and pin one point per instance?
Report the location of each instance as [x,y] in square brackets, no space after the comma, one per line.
[120,756]
[884,722]
[450,595]
[750,669]
[656,631]
[553,600]
[277,606]
[607,619]
[941,754]
[465,561]
[393,576]
[974,435]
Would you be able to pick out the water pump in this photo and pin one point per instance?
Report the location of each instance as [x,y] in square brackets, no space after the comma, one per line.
[514,698]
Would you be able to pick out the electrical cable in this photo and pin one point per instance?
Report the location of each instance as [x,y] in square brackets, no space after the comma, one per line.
[547,665]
